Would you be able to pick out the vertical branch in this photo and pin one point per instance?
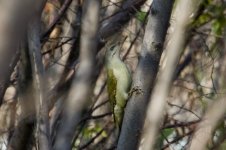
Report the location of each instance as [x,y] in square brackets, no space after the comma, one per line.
[39,80]
[79,94]
[145,73]
[39,84]
[160,92]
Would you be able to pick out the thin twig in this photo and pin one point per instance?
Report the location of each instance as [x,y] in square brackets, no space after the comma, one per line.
[62,11]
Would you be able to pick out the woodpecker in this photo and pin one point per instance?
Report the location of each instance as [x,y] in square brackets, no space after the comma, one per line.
[118,82]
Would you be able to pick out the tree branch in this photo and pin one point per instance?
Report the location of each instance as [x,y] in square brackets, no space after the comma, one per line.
[38,73]
[160,92]
[62,11]
[145,73]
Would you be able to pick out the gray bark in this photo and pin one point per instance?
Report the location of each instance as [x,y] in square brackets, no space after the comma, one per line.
[38,74]
[39,85]
[145,74]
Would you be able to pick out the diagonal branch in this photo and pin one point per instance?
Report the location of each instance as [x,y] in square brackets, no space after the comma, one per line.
[116,22]
[178,38]
[145,73]
[208,124]
[62,11]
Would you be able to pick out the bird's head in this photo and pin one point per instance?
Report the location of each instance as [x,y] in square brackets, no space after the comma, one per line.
[113,50]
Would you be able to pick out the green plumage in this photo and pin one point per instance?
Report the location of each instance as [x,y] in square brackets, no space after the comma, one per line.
[118,83]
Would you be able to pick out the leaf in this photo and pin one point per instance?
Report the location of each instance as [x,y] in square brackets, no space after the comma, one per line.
[141,16]
[164,134]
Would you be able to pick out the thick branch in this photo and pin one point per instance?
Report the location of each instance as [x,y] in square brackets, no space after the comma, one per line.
[39,85]
[129,8]
[145,73]
[38,74]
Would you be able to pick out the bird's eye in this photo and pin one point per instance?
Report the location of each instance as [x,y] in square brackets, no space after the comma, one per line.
[112,48]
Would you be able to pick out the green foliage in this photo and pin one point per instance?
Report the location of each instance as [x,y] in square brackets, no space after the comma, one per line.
[140,15]
[91,131]
[88,133]
[219,20]
[213,14]
[165,133]
[222,146]
[218,25]
[206,17]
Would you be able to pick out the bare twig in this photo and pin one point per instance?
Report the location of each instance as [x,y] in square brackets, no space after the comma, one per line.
[181,124]
[182,108]
[176,140]
[62,11]
[91,140]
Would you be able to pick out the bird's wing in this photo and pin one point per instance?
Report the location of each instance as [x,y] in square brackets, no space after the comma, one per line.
[123,75]
[111,86]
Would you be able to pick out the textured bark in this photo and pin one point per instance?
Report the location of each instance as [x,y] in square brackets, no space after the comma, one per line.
[78,96]
[145,74]
[39,84]
[38,74]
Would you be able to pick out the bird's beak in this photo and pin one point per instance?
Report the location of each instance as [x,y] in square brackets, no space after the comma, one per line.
[114,53]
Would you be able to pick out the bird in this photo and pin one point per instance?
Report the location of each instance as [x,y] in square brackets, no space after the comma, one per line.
[119,82]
